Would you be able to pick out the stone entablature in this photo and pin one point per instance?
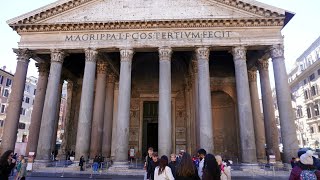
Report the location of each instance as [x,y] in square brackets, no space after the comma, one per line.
[183,23]
[153,38]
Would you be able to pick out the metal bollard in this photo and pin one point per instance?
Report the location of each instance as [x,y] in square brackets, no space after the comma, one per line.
[274,172]
[136,162]
[63,170]
[91,175]
[100,171]
[56,167]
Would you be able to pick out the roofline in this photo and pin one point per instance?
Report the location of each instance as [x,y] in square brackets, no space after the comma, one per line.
[35,14]
[288,16]
[309,50]
[38,10]
[6,72]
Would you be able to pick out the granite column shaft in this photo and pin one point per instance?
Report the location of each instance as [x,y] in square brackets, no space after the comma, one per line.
[247,139]
[164,123]
[257,115]
[121,151]
[288,128]
[108,117]
[36,115]
[57,118]
[271,129]
[49,109]
[15,101]
[114,120]
[86,104]
[98,111]
[205,116]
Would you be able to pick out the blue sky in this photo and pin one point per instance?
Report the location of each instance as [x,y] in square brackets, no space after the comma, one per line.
[302,30]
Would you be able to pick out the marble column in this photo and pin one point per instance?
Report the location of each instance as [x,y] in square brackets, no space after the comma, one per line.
[114,120]
[195,100]
[86,104]
[57,117]
[271,128]
[108,117]
[164,122]
[121,151]
[15,101]
[34,128]
[98,110]
[258,123]
[247,139]
[68,121]
[187,95]
[205,116]
[74,115]
[288,128]
[49,110]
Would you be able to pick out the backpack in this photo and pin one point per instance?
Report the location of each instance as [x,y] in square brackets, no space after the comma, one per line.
[308,175]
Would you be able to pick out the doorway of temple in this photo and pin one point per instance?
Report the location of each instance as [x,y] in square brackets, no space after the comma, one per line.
[150,126]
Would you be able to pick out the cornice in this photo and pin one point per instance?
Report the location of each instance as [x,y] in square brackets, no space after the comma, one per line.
[185,23]
[51,11]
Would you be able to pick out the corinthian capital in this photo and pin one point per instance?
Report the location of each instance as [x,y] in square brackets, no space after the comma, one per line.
[203,53]
[43,68]
[239,53]
[91,55]
[102,68]
[57,55]
[23,55]
[111,78]
[252,75]
[165,53]
[263,64]
[277,51]
[126,55]
[194,66]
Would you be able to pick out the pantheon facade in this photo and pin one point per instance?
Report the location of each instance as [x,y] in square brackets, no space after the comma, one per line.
[168,74]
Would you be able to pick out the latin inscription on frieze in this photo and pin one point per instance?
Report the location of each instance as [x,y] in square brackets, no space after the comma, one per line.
[135,36]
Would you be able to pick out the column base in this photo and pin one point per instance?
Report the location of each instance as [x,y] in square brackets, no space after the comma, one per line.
[38,164]
[119,166]
[263,161]
[250,167]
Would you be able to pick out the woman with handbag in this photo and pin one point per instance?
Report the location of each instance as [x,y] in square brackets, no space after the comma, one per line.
[163,171]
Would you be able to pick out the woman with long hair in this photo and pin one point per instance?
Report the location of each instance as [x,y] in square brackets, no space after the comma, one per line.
[186,169]
[7,163]
[211,170]
[163,171]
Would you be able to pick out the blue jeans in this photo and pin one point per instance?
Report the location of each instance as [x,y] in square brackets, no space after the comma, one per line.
[95,166]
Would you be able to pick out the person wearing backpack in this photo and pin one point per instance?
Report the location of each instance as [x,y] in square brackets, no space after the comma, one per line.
[305,170]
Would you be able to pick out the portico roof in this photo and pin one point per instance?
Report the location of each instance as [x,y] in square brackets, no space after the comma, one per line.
[111,14]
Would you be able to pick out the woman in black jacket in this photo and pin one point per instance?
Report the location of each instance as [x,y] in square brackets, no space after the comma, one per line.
[7,163]
[186,170]
[211,170]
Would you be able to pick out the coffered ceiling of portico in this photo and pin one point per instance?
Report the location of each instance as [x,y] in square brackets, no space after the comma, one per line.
[101,11]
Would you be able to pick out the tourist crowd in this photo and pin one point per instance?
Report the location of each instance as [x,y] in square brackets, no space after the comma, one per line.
[184,167]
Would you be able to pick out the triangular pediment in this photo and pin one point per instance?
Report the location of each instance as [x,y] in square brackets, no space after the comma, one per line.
[86,11]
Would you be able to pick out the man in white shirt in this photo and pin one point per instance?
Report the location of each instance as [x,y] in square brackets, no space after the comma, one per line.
[201,154]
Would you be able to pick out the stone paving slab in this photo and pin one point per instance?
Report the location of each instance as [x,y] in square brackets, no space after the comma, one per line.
[140,172]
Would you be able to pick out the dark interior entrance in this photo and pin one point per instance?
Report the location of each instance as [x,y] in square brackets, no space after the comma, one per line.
[150,126]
